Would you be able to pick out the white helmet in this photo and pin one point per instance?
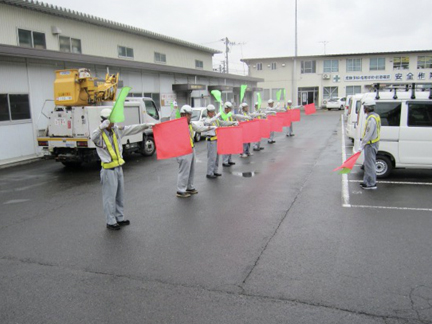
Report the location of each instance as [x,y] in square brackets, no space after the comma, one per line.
[244,104]
[175,104]
[369,103]
[186,109]
[270,101]
[105,113]
[228,105]
[289,101]
[211,108]
[256,104]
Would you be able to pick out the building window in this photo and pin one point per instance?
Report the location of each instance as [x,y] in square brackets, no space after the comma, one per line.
[71,45]
[159,57]
[330,92]
[273,66]
[199,64]
[27,38]
[354,65]
[424,62]
[308,66]
[331,66]
[125,52]
[259,66]
[266,95]
[401,63]
[352,90]
[14,107]
[377,64]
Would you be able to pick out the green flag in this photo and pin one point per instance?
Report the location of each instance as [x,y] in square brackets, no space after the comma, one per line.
[278,94]
[285,95]
[117,113]
[259,100]
[243,88]
[177,112]
[218,97]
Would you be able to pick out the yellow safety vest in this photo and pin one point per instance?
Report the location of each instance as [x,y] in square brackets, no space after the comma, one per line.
[115,155]
[191,135]
[246,115]
[378,122]
[213,138]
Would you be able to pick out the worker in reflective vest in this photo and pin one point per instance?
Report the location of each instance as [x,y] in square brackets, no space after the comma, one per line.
[175,111]
[185,179]
[246,117]
[259,115]
[211,139]
[370,144]
[107,138]
[290,128]
[226,115]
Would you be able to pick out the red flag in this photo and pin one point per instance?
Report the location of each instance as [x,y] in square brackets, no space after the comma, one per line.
[310,109]
[286,119]
[264,128]
[276,124]
[349,163]
[251,131]
[230,140]
[172,139]
[294,115]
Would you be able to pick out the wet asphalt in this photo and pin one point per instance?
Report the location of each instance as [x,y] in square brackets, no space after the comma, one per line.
[268,242]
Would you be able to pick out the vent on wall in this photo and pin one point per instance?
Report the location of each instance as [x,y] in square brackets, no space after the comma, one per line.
[326,76]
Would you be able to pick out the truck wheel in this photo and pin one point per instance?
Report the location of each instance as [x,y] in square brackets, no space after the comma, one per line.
[341,107]
[148,146]
[72,164]
[197,137]
[384,166]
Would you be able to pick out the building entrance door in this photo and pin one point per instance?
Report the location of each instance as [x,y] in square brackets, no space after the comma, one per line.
[308,95]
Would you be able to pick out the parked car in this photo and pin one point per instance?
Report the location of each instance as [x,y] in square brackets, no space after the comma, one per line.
[353,110]
[336,103]
[198,116]
[347,103]
[406,130]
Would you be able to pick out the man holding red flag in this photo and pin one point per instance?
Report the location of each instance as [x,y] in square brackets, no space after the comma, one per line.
[211,139]
[290,128]
[226,115]
[259,115]
[185,187]
[107,138]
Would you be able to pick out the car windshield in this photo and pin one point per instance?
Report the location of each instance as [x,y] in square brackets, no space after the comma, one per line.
[196,115]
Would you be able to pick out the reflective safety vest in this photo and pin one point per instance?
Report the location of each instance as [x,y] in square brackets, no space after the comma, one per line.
[215,123]
[378,123]
[115,155]
[191,135]
[245,114]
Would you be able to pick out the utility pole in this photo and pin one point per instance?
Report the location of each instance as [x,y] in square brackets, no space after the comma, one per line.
[227,49]
[294,83]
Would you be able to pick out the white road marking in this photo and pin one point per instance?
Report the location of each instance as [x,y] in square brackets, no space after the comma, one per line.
[400,182]
[15,201]
[394,208]
[345,191]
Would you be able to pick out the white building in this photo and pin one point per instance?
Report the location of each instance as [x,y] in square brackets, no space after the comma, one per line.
[36,39]
[317,78]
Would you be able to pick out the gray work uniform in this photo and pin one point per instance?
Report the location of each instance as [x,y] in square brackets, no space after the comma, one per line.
[272,111]
[112,180]
[370,149]
[211,139]
[185,178]
[290,129]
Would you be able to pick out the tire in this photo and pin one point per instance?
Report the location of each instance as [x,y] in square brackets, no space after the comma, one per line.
[148,146]
[328,109]
[384,166]
[341,107]
[197,137]
[72,164]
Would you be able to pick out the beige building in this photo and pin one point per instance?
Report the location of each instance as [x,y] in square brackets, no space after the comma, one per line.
[36,39]
[317,78]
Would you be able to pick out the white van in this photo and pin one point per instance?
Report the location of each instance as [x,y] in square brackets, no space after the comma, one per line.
[353,109]
[406,130]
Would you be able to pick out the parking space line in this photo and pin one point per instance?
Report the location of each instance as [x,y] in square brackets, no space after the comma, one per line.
[345,189]
[387,207]
[399,182]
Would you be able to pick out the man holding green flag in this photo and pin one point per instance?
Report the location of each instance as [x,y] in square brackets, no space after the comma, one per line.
[107,138]
[175,111]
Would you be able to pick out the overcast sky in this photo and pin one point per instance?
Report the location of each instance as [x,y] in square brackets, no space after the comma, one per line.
[266,28]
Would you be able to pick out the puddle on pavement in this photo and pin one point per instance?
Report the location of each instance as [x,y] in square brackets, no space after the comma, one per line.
[245,174]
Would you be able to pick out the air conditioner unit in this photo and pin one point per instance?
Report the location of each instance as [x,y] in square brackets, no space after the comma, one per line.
[326,76]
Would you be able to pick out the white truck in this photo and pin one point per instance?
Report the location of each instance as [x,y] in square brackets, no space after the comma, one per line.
[406,128]
[67,136]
